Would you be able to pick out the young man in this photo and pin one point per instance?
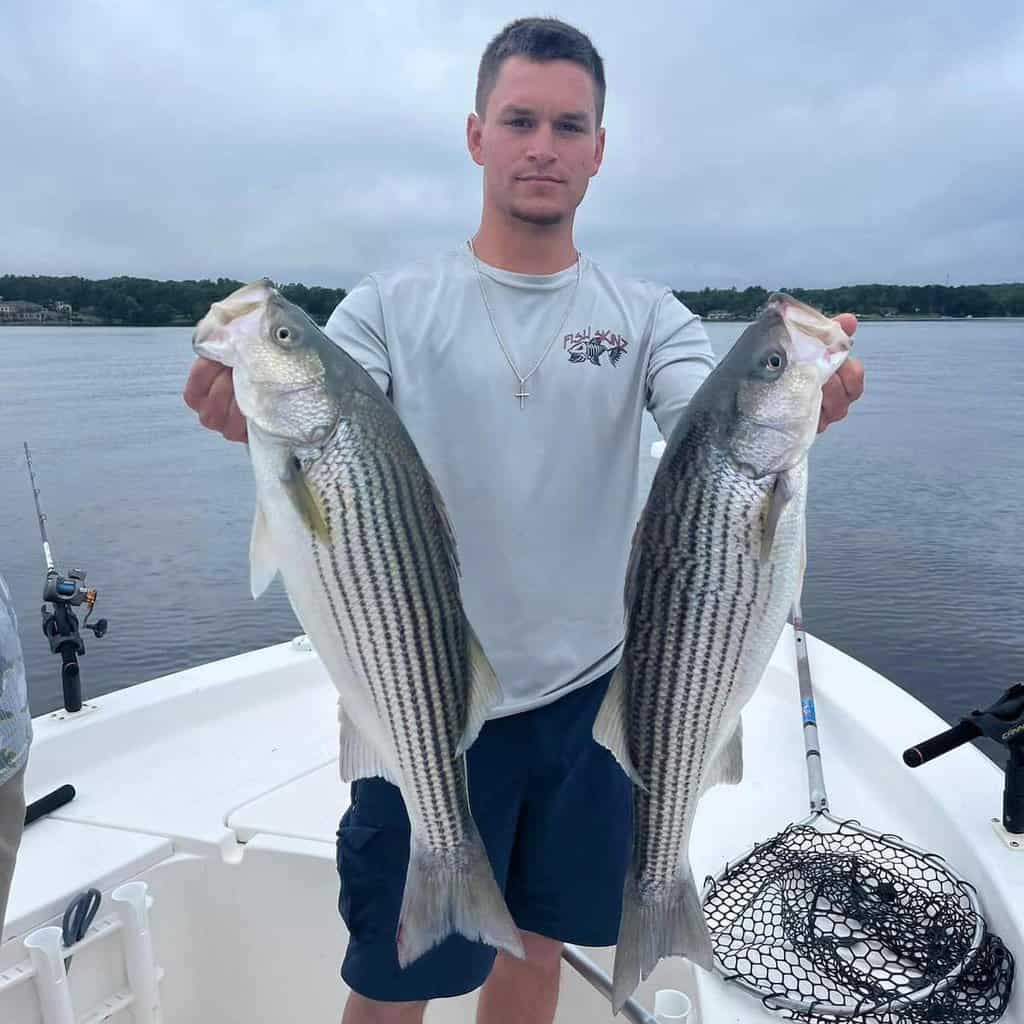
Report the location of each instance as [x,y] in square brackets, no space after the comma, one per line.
[15,735]
[522,370]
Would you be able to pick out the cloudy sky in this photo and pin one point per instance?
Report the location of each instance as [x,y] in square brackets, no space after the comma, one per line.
[799,142]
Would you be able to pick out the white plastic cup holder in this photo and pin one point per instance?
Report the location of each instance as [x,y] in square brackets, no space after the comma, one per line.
[671,1006]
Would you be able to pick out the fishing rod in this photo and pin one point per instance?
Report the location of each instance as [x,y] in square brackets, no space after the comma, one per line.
[60,623]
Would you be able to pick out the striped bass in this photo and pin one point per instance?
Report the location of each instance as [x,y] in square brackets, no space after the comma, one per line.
[717,560]
[347,513]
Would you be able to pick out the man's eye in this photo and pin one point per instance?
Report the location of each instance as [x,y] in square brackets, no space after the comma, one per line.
[570,126]
[518,122]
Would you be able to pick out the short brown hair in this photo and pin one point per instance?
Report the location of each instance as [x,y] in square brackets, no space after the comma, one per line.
[539,39]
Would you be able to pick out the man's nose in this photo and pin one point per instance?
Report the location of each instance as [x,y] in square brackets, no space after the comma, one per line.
[542,145]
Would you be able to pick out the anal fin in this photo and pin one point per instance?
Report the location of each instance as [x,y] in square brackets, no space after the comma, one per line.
[727,765]
[357,758]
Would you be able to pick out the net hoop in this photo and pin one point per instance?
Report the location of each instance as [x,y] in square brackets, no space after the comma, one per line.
[772,999]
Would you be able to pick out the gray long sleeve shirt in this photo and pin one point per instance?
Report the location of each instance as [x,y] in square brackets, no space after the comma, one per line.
[543,498]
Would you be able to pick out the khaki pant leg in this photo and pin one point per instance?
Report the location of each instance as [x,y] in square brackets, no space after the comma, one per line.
[12,821]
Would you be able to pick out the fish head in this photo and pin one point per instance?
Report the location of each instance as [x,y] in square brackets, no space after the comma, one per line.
[780,364]
[275,352]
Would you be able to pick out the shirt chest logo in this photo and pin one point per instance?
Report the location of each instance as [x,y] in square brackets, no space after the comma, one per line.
[589,346]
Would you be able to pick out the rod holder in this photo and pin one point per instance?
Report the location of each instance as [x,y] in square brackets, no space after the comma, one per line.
[131,903]
[46,951]
[671,1006]
[1002,722]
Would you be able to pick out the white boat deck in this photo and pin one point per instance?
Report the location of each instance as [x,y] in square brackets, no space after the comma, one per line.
[218,787]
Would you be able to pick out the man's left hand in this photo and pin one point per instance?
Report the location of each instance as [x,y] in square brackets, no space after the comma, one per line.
[845,386]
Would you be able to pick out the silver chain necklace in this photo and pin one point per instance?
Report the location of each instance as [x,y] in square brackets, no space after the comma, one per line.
[522,394]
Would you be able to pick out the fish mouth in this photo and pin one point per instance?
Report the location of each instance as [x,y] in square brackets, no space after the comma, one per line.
[814,337]
[213,337]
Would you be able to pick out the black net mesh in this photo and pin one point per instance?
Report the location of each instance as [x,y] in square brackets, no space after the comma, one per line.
[845,925]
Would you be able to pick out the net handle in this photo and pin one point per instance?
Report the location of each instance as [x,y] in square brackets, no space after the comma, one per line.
[815,775]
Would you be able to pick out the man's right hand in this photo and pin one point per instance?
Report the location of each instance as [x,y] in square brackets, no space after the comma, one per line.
[210,391]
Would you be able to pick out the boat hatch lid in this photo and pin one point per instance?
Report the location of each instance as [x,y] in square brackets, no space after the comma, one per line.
[59,859]
[305,808]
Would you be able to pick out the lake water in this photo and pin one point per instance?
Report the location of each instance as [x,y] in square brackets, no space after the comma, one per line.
[915,532]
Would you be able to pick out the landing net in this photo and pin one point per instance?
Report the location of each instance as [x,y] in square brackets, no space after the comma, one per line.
[830,922]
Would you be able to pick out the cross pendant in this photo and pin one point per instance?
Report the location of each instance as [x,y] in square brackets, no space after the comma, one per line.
[522,394]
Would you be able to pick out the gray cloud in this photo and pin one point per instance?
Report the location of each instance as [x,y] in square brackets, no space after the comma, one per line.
[797,142]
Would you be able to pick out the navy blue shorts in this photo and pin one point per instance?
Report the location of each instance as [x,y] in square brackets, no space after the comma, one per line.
[555,813]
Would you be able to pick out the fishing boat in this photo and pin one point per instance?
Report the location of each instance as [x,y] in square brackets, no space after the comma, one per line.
[182,867]
[205,812]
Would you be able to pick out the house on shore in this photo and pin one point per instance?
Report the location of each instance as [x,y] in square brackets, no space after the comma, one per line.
[19,311]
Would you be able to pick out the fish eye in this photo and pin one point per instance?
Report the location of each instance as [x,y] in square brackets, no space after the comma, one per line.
[774,361]
[286,337]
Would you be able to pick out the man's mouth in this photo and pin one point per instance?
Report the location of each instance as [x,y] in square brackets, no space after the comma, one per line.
[542,177]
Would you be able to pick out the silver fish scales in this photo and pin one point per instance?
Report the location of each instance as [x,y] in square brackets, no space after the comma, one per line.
[348,514]
[717,560]
[389,579]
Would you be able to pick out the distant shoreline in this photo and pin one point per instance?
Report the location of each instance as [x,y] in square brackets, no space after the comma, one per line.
[864,318]
[145,302]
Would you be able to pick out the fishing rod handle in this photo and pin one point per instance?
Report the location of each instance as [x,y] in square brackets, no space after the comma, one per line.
[49,803]
[961,733]
[812,749]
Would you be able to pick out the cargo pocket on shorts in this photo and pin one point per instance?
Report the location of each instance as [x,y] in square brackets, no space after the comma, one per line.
[371,868]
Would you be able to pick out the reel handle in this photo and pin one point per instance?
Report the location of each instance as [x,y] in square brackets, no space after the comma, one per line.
[49,803]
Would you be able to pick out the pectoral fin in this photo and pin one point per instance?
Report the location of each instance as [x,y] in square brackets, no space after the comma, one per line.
[305,500]
[781,494]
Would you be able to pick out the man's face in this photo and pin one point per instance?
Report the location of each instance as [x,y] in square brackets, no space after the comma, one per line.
[538,141]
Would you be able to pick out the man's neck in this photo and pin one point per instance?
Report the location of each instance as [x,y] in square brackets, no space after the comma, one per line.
[525,248]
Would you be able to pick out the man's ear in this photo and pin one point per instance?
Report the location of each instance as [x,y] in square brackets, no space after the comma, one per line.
[474,133]
[598,151]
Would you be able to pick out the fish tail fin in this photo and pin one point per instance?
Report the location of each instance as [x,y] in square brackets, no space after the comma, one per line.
[667,923]
[453,890]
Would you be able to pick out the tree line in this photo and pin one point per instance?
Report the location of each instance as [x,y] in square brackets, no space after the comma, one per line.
[141,301]
[872,300]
